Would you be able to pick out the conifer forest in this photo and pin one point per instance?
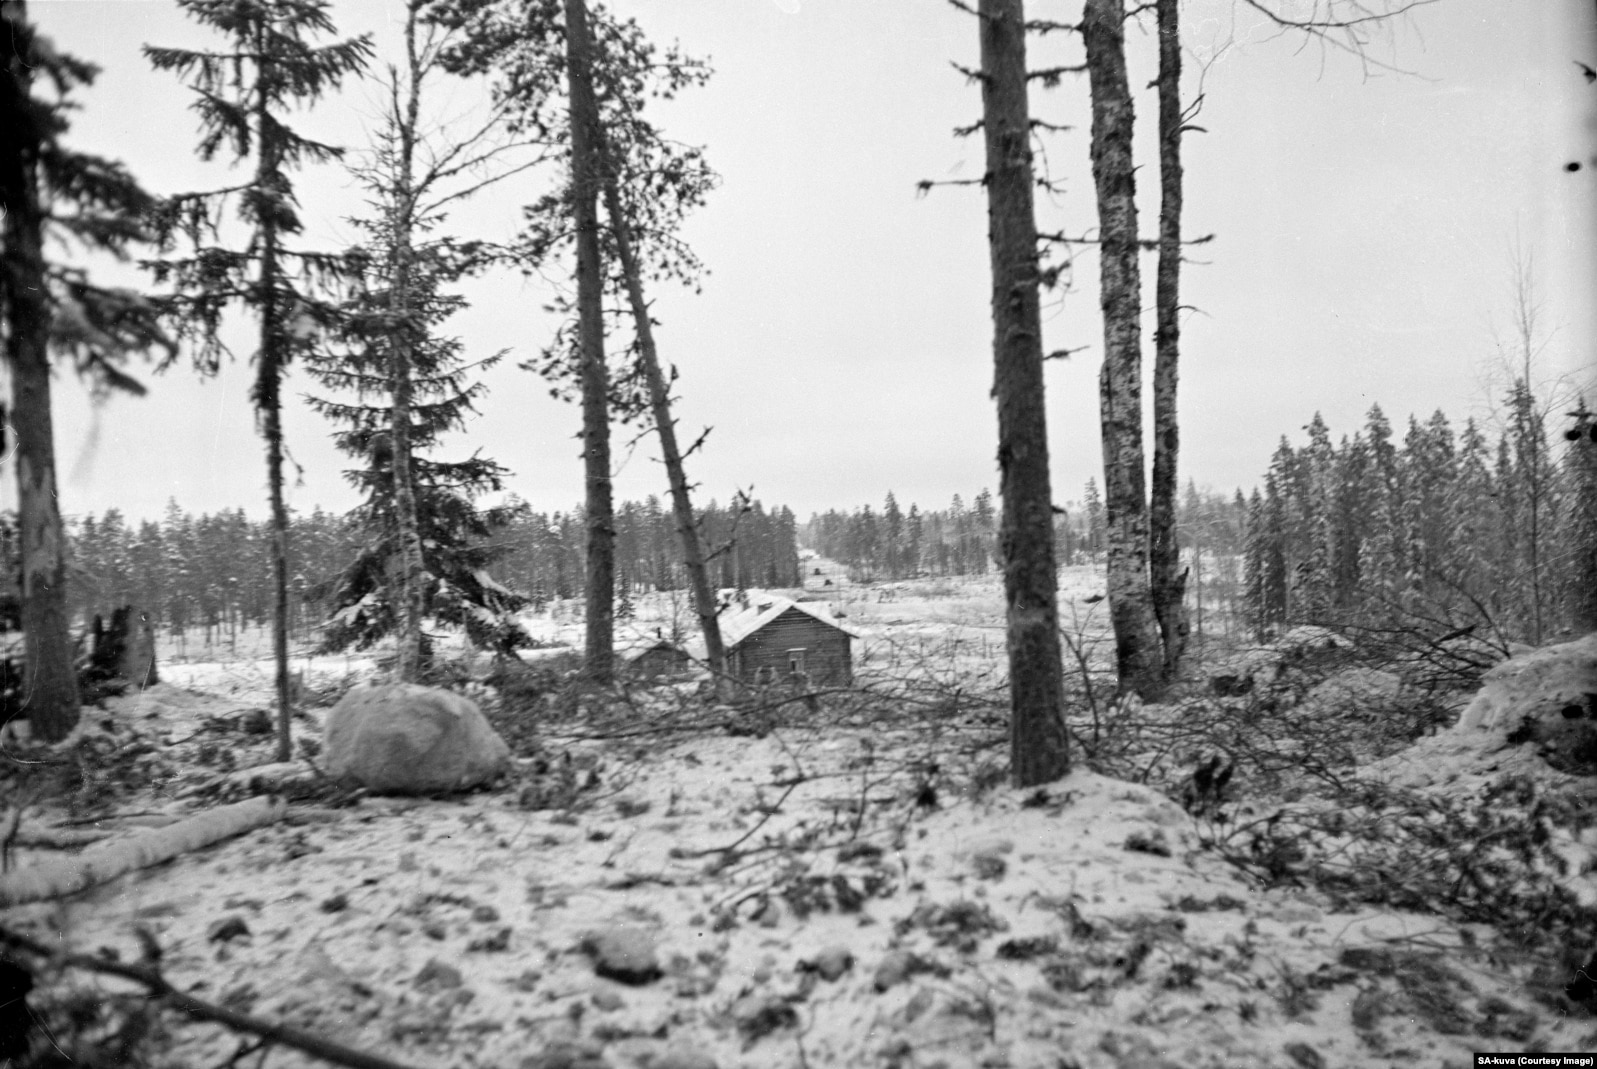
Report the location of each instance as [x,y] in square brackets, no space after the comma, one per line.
[560,534]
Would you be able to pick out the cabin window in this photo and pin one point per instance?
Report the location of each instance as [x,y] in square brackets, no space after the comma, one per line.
[795,661]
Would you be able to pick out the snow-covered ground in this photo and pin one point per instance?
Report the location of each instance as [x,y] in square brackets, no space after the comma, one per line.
[819,896]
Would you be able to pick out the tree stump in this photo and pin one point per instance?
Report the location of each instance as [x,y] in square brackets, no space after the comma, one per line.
[121,654]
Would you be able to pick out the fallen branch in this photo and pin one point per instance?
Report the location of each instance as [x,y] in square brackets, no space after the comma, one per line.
[59,877]
[770,811]
[199,1009]
[57,838]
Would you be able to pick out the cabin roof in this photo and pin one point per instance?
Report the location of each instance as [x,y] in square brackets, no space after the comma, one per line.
[738,625]
[634,652]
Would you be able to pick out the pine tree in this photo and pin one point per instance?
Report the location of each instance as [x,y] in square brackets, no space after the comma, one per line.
[577,80]
[48,190]
[1038,739]
[242,94]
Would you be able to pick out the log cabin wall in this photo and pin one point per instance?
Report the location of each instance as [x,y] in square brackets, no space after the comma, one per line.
[795,637]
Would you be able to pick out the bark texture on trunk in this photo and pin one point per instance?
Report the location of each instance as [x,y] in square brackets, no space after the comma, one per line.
[704,603]
[269,403]
[600,655]
[1138,654]
[50,685]
[1038,741]
[1168,582]
[409,593]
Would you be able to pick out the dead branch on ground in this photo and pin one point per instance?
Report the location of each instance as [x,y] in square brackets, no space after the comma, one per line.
[161,989]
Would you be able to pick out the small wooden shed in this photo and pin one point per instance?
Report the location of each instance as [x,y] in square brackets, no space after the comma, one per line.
[657,659]
[775,640]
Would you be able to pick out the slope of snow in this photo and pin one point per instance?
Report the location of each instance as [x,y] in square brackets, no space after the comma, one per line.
[802,908]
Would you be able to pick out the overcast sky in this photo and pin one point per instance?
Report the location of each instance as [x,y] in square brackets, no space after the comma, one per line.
[1365,224]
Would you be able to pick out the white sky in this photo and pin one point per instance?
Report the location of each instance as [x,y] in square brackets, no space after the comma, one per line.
[841,346]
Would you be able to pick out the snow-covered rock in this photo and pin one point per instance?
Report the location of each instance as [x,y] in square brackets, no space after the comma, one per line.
[1548,698]
[1368,690]
[401,738]
[1553,683]
[1534,710]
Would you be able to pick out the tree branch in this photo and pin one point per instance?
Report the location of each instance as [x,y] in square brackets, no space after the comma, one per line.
[161,988]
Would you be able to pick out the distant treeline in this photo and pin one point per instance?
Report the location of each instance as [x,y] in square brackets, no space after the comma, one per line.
[1445,530]
[212,572]
[749,546]
[892,543]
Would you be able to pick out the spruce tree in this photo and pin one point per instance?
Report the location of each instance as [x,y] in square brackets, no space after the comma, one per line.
[243,92]
[1580,577]
[1255,563]
[577,79]
[450,533]
[417,169]
[49,190]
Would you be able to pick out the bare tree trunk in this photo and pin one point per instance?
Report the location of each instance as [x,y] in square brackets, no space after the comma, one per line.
[660,402]
[1582,527]
[50,686]
[268,401]
[585,175]
[1168,583]
[408,596]
[1137,647]
[1038,741]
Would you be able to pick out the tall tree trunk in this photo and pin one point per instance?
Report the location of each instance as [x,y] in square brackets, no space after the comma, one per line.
[704,603]
[1137,647]
[585,162]
[269,402]
[1582,529]
[50,686]
[409,594]
[1168,583]
[1038,741]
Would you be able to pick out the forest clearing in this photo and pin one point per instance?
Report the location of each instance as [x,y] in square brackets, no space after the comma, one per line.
[666,881]
[451,772]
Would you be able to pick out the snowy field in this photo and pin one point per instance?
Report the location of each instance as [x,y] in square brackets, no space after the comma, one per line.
[829,893]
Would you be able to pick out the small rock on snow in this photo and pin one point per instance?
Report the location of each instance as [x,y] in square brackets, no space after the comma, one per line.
[830,963]
[1305,1055]
[227,929]
[760,1015]
[683,1058]
[567,1056]
[625,955]
[438,974]
[895,967]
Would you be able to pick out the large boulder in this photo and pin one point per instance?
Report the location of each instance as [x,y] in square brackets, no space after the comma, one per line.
[400,738]
[1547,697]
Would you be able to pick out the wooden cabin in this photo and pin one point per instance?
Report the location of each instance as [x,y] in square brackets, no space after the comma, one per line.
[659,659]
[774,641]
